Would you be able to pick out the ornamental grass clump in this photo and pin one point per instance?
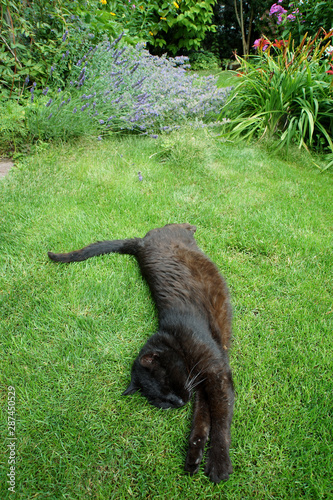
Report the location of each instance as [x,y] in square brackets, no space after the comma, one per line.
[119,88]
[285,92]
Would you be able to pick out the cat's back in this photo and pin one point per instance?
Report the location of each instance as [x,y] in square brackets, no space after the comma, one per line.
[169,236]
[180,275]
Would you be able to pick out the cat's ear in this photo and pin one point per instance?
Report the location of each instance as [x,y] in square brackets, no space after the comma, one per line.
[131,389]
[149,360]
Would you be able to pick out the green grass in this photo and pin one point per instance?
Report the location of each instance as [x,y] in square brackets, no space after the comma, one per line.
[225,78]
[69,333]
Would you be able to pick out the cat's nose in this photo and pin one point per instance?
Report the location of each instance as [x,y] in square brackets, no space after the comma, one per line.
[178,402]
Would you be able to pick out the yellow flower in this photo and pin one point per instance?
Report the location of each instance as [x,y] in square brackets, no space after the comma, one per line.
[163,18]
[112,13]
[176,5]
[103,2]
[141,7]
[151,33]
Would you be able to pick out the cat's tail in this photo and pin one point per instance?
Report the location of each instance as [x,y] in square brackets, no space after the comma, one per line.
[129,246]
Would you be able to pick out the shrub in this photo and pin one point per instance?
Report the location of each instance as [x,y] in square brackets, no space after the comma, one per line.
[35,36]
[13,132]
[203,59]
[174,27]
[285,92]
[121,88]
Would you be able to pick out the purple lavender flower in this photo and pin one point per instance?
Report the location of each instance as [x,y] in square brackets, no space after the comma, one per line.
[101,122]
[140,176]
[99,138]
[52,69]
[26,81]
[50,115]
[82,73]
[48,103]
[65,36]
[45,91]
[74,110]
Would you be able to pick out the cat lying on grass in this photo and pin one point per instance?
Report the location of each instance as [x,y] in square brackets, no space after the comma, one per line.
[190,349]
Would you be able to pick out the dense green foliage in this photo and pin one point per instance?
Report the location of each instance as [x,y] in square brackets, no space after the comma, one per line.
[285,92]
[203,59]
[38,36]
[175,27]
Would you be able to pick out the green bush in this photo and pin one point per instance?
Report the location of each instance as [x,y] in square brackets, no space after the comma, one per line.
[285,92]
[204,59]
[13,130]
[37,36]
[172,26]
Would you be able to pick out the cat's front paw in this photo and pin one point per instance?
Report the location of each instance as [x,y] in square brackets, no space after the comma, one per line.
[218,469]
[194,456]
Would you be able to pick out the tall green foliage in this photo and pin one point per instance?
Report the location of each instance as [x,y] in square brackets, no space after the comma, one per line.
[172,26]
[285,92]
[37,35]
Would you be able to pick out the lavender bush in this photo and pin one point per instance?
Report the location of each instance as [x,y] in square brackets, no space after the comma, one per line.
[120,88]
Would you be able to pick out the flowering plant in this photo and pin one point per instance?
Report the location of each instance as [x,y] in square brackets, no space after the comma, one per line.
[115,87]
[285,92]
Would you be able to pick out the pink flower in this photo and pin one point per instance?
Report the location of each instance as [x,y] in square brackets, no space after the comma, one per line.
[261,44]
[277,9]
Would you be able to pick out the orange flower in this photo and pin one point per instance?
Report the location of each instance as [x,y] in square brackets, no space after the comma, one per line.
[279,44]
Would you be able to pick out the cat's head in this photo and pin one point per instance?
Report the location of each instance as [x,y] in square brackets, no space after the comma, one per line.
[161,376]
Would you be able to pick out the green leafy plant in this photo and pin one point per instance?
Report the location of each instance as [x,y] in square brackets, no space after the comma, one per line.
[285,92]
[172,26]
[13,130]
[37,36]
[203,59]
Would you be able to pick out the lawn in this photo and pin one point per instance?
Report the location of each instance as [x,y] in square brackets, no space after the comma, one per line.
[69,333]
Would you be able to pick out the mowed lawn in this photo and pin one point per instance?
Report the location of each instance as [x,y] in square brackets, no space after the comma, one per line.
[69,333]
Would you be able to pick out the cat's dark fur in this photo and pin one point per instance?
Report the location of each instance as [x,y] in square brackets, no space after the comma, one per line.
[190,349]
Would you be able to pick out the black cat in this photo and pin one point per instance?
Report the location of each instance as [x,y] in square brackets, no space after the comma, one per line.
[190,349]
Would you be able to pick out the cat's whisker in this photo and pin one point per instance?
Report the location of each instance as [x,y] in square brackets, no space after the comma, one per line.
[198,383]
[194,382]
[189,375]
